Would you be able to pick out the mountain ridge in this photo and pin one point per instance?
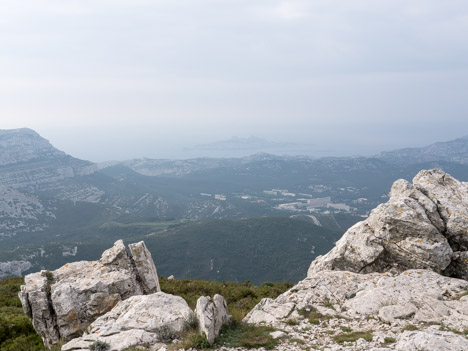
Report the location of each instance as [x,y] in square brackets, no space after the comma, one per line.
[455,150]
[54,202]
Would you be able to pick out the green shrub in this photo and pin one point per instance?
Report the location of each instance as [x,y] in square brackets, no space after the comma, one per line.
[50,277]
[16,330]
[191,340]
[292,322]
[353,336]
[409,327]
[31,342]
[389,340]
[167,334]
[99,345]
[313,315]
[191,323]
[201,342]
[240,297]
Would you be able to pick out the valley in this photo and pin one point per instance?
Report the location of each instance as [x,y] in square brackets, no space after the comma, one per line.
[213,211]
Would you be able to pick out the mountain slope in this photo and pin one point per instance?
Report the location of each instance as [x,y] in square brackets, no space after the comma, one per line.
[30,162]
[23,145]
[451,151]
[256,249]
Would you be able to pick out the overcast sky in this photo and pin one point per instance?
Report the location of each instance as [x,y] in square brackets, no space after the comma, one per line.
[113,79]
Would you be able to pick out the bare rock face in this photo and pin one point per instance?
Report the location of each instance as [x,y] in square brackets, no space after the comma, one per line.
[414,296]
[63,303]
[422,226]
[431,339]
[328,301]
[398,278]
[138,320]
[145,267]
[212,315]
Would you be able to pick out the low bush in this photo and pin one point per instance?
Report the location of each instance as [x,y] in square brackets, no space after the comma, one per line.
[16,330]
[240,297]
[246,335]
[353,336]
[99,345]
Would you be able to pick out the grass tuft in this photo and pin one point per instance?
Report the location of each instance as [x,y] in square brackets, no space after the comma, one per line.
[292,322]
[389,340]
[409,327]
[246,335]
[353,336]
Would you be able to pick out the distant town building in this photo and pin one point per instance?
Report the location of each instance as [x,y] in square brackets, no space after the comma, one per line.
[307,195]
[342,207]
[361,200]
[205,194]
[220,197]
[292,206]
[270,192]
[319,188]
[280,190]
[319,202]
[288,194]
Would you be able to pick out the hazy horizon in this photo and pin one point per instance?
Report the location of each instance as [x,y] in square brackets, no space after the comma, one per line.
[240,147]
[115,80]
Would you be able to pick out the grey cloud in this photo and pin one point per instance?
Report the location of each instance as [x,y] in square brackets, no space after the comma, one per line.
[204,70]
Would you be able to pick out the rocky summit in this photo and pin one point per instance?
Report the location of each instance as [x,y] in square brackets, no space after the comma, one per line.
[395,281]
[424,225]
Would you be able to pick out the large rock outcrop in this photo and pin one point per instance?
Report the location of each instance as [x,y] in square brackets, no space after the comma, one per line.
[332,303]
[424,225]
[146,319]
[63,303]
[396,281]
[411,297]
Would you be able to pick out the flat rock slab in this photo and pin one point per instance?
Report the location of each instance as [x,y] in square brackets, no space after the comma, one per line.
[412,297]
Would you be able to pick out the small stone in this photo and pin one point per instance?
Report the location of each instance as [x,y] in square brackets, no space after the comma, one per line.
[278,334]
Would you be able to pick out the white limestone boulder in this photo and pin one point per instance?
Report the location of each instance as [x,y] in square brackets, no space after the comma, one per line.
[212,315]
[62,303]
[424,225]
[150,319]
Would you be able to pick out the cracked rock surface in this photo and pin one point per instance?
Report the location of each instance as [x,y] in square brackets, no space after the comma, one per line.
[424,225]
[64,302]
[396,281]
[146,319]
[332,303]
[212,315]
